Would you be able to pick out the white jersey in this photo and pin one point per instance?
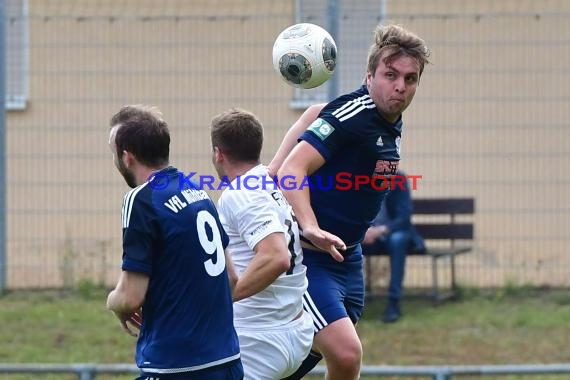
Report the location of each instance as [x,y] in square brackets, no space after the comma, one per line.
[251,209]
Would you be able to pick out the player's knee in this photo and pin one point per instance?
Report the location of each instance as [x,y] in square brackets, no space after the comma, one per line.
[352,357]
[348,358]
[399,238]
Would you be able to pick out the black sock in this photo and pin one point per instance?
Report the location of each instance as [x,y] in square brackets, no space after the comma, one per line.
[308,364]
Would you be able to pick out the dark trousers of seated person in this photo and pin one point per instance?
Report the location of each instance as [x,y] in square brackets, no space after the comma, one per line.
[396,245]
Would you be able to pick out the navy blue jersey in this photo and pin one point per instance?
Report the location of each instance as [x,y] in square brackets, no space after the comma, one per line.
[174,236]
[361,150]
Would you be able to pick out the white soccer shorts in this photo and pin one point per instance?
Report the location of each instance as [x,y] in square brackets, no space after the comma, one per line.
[275,353]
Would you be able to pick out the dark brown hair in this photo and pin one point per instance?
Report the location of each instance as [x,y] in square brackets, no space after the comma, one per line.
[238,134]
[144,133]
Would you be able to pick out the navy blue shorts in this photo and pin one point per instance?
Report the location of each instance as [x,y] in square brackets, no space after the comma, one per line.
[230,371]
[336,289]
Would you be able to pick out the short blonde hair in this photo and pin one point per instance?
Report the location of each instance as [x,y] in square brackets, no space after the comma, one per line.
[397,41]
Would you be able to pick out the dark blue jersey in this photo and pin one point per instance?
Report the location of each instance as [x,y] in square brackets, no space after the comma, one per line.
[361,150]
[174,236]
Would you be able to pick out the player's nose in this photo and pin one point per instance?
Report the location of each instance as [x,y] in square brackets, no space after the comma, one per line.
[400,85]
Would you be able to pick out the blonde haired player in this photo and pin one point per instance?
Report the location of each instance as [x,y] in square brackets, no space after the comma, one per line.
[357,133]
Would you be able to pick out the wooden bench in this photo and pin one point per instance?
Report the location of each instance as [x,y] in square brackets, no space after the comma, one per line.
[445,237]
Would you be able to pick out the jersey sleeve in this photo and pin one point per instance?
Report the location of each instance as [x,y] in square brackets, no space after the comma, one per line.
[328,135]
[139,233]
[254,214]
[225,238]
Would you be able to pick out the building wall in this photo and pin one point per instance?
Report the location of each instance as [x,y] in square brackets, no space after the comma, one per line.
[487,122]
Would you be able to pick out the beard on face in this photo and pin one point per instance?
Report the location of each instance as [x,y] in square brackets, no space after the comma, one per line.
[127,174]
[218,168]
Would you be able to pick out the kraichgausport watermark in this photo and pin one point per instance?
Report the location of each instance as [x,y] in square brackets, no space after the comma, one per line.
[341,181]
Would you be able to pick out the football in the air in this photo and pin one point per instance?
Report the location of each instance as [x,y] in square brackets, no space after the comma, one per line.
[304,55]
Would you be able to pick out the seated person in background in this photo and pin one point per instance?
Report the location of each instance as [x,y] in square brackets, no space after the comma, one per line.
[392,233]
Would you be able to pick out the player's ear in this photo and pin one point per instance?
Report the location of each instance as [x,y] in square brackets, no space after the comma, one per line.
[218,154]
[368,78]
[128,158]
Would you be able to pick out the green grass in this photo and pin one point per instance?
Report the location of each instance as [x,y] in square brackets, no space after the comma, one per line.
[502,327]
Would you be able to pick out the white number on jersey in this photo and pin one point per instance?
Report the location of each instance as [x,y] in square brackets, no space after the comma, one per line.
[211,246]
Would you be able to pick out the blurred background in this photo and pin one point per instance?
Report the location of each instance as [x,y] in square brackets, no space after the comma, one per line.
[489,120]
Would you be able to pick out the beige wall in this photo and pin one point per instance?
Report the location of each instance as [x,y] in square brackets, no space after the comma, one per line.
[488,122]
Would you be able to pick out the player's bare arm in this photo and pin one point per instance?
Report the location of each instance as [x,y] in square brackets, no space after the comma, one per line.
[127,298]
[290,139]
[303,161]
[231,269]
[270,261]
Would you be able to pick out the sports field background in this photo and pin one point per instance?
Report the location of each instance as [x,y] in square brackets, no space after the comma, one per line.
[489,120]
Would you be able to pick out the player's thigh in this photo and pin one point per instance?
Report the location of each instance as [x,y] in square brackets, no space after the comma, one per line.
[276,353]
[327,340]
[301,336]
[264,354]
[336,290]
[354,297]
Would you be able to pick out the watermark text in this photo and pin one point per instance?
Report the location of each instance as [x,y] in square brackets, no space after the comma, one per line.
[343,181]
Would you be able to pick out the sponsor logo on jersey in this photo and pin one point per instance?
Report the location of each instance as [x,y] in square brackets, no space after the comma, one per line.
[384,167]
[263,226]
[321,128]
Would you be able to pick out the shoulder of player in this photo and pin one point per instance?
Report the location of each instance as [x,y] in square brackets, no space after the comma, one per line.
[141,193]
[138,199]
[350,110]
[242,202]
[237,198]
[146,196]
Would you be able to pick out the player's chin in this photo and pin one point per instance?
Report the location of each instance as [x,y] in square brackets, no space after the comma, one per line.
[394,111]
[398,107]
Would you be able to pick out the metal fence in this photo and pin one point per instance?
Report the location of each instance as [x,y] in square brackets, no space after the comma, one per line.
[90,371]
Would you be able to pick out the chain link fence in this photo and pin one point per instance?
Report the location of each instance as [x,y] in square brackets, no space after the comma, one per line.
[488,121]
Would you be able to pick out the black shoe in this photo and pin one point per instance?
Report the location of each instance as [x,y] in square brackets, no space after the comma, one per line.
[392,313]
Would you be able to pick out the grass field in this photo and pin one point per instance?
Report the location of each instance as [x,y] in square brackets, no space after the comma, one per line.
[508,326]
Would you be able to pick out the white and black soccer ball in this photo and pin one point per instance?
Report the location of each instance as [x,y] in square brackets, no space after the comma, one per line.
[304,55]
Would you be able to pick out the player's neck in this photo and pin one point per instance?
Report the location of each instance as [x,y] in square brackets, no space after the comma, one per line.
[143,173]
[239,168]
[390,118]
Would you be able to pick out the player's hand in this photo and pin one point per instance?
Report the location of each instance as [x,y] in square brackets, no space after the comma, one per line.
[271,171]
[383,231]
[326,241]
[370,236]
[130,322]
[374,233]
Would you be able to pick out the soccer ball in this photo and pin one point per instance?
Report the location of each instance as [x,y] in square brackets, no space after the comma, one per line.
[304,55]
